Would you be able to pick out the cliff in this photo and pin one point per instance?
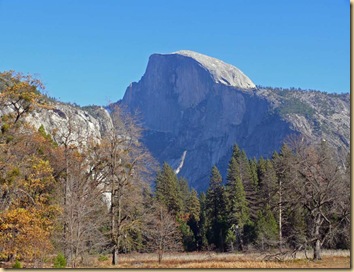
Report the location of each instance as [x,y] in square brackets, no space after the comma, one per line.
[194,108]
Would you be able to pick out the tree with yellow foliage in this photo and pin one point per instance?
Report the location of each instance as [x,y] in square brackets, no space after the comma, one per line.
[20,94]
[28,206]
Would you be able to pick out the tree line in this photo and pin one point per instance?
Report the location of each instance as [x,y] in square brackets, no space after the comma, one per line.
[68,194]
[298,199]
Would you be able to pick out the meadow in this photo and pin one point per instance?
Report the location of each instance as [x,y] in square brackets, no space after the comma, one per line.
[330,259]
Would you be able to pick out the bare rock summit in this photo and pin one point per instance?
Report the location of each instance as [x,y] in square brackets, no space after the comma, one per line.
[194,108]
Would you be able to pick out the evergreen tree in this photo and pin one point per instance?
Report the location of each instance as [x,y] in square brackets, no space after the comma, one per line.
[202,241]
[296,228]
[266,228]
[254,175]
[250,187]
[284,167]
[184,217]
[268,184]
[184,193]
[237,206]
[188,238]
[248,178]
[167,189]
[193,206]
[193,211]
[216,206]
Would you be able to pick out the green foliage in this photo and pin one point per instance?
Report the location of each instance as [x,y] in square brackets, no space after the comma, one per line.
[230,238]
[294,105]
[102,258]
[216,210]
[46,136]
[237,206]
[59,261]
[17,265]
[41,131]
[296,227]
[248,179]
[266,228]
[184,193]
[168,189]
[5,127]
[193,206]
[188,238]
[249,233]
[268,183]
[202,241]
[253,172]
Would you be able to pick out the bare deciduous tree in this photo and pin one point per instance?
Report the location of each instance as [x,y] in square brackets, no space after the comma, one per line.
[128,167]
[321,190]
[161,231]
[82,178]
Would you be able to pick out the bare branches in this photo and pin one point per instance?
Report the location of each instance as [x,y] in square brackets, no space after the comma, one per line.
[161,231]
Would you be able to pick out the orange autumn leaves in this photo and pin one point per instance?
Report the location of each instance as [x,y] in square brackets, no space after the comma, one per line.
[28,208]
[27,223]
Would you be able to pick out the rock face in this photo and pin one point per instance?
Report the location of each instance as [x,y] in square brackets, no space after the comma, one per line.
[66,121]
[69,123]
[195,108]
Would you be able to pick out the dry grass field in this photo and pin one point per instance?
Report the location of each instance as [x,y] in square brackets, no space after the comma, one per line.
[331,259]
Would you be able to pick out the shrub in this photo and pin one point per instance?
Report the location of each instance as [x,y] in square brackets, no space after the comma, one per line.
[60,261]
[17,264]
[102,258]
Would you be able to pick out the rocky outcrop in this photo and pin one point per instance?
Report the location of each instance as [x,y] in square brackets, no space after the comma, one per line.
[70,123]
[194,108]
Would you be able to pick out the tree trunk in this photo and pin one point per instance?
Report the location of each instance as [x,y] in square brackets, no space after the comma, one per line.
[280,217]
[221,241]
[160,250]
[113,226]
[317,250]
[65,229]
[317,243]
[114,256]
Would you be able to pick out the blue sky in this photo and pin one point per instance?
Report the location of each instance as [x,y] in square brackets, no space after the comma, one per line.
[88,52]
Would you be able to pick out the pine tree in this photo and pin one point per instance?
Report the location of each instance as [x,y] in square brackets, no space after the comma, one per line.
[215,213]
[268,184]
[248,178]
[237,206]
[254,175]
[202,241]
[283,165]
[193,205]
[266,228]
[167,189]
[184,193]
[250,187]
[193,211]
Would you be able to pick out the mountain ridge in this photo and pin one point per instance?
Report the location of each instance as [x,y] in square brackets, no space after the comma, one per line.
[192,118]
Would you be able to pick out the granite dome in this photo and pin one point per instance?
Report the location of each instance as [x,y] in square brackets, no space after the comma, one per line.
[220,71]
